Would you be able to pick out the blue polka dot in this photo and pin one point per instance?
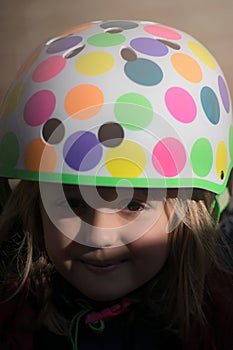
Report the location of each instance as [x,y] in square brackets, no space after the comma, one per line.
[82,151]
[144,72]
[210,104]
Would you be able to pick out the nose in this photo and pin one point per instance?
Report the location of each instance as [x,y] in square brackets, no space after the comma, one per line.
[102,230]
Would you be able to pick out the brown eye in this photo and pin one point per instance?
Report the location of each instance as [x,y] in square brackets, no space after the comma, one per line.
[134,206]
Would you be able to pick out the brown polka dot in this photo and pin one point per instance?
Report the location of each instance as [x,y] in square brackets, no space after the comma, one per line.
[111,134]
[53,131]
[128,54]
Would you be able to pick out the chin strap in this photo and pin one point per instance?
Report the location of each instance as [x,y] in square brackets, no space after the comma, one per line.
[95,320]
[220,203]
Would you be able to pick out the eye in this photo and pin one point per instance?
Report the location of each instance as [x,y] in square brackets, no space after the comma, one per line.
[134,206]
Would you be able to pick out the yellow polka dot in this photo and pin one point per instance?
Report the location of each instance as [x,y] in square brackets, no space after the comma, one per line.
[127,160]
[201,52]
[94,63]
[14,98]
[221,160]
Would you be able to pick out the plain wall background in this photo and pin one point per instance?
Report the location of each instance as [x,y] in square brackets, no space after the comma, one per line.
[24,24]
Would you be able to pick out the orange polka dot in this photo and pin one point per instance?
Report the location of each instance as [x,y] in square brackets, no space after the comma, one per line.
[187,67]
[76,29]
[40,157]
[84,101]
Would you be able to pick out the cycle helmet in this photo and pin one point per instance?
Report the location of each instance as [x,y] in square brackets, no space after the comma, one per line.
[119,102]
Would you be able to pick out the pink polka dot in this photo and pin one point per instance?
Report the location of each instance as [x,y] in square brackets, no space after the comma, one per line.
[180,104]
[163,32]
[49,68]
[39,107]
[169,157]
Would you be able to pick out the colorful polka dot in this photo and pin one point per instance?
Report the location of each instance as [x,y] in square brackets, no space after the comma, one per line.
[169,157]
[126,25]
[149,46]
[63,44]
[231,142]
[76,29]
[49,68]
[84,101]
[133,111]
[39,107]
[202,157]
[82,151]
[202,53]
[224,94]
[95,63]
[210,104]
[106,39]
[53,131]
[128,54]
[126,161]
[144,72]
[221,160]
[111,134]
[9,150]
[40,157]
[181,104]
[13,99]
[187,67]
[163,32]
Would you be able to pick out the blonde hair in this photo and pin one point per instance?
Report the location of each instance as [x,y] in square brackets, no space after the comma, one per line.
[176,292]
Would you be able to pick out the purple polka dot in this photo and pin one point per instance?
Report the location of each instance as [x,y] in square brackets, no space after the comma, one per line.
[149,47]
[49,68]
[39,107]
[181,104]
[63,44]
[82,151]
[224,94]
[169,157]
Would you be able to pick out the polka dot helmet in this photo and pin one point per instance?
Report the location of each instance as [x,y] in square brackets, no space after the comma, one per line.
[119,102]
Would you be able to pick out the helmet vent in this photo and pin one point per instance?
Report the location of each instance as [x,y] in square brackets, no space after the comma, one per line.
[73,52]
[222,175]
[114,30]
[170,44]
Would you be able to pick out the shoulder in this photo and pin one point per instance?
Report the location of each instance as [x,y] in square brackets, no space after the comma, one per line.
[17,316]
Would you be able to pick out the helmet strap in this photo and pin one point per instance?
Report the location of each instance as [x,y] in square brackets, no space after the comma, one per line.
[219,204]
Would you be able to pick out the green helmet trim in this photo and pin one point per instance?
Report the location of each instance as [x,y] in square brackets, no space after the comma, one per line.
[120,182]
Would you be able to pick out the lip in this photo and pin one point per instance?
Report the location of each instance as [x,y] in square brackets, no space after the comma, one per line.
[102,266]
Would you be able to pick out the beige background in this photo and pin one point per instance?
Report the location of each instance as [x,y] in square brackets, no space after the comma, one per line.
[24,24]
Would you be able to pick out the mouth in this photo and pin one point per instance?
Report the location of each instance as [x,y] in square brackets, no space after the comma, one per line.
[102,266]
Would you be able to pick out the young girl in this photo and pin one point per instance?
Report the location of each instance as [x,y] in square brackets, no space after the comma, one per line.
[121,135]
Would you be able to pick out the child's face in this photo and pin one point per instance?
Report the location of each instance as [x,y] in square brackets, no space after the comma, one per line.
[110,243]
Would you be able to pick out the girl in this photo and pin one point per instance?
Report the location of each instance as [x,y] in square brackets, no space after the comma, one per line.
[121,135]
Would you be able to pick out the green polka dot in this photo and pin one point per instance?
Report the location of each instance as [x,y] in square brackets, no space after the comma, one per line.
[106,40]
[9,151]
[133,111]
[202,157]
[231,142]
